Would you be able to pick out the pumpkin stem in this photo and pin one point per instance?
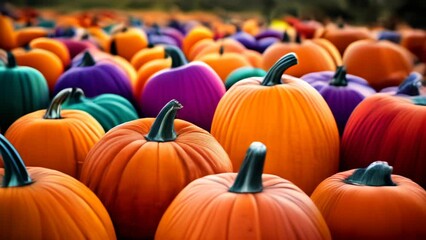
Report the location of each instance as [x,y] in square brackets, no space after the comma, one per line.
[273,77]
[298,38]
[249,178]
[55,107]
[377,173]
[11,61]
[419,100]
[221,50]
[15,173]
[75,96]
[178,58]
[285,38]
[410,86]
[339,78]
[87,60]
[162,130]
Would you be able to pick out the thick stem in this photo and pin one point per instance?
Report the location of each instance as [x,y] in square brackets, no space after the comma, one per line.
[273,77]
[87,60]
[11,61]
[285,38]
[298,38]
[411,85]
[55,107]
[76,96]
[178,58]
[376,174]
[339,78]
[15,173]
[249,178]
[162,130]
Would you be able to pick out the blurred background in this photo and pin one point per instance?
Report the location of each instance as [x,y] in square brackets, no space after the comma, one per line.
[386,13]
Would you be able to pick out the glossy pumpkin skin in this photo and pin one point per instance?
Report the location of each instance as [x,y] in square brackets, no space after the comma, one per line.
[195,85]
[395,128]
[342,92]
[145,55]
[54,46]
[128,41]
[372,212]
[137,178]
[228,206]
[290,117]
[381,63]
[44,204]
[55,139]
[243,73]
[7,38]
[96,78]
[25,35]
[109,110]
[193,36]
[22,90]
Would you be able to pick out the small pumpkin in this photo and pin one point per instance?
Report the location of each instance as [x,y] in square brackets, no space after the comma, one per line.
[7,37]
[55,138]
[54,46]
[395,127]
[22,90]
[128,41]
[138,168]
[286,114]
[145,55]
[247,205]
[193,36]
[243,73]
[109,110]
[25,35]
[41,204]
[372,203]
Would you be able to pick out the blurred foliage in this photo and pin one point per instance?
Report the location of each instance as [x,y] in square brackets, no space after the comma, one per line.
[367,12]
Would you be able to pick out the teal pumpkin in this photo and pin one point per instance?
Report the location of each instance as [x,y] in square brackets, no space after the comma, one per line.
[243,73]
[22,90]
[108,109]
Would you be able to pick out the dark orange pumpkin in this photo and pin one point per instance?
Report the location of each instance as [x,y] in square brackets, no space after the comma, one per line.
[138,168]
[287,115]
[43,204]
[7,36]
[247,205]
[55,138]
[25,35]
[371,203]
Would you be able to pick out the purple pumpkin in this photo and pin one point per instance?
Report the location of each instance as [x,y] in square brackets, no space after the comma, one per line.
[96,78]
[196,85]
[246,39]
[342,92]
[164,35]
[76,46]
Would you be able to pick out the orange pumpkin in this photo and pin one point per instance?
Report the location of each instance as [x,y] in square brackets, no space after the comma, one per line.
[7,36]
[147,70]
[138,168]
[40,204]
[48,63]
[415,41]
[192,37]
[145,55]
[314,58]
[54,138]
[287,115]
[25,35]
[330,48]
[382,63]
[128,41]
[247,205]
[371,203]
[227,45]
[53,46]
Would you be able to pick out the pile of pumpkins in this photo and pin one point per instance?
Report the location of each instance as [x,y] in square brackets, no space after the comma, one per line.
[192,127]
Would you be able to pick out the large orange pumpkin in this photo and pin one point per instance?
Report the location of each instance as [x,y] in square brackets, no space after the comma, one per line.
[7,36]
[287,115]
[371,203]
[247,205]
[44,204]
[382,63]
[55,138]
[138,168]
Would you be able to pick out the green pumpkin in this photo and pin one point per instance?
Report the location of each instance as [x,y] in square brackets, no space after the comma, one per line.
[22,90]
[242,73]
[108,109]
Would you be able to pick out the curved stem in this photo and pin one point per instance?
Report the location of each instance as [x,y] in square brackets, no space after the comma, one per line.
[15,173]
[411,85]
[162,130]
[87,60]
[376,174]
[55,107]
[76,96]
[249,178]
[339,78]
[11,61]
[178,58]
[273,77]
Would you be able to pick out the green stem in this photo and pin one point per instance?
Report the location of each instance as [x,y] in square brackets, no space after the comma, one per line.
[273,77]
[76,96]
[411,85]
[285,38]
[249,178]
[162,130]
[339,78]
[55,107]
[419,100]
[178,58]
[376,174]
[87,60]
[11,61]
[15,173]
